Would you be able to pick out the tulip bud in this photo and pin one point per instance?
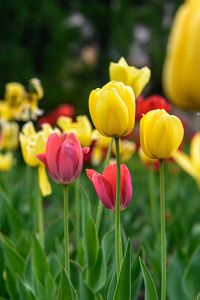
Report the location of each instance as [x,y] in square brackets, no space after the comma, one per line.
[105,186]
[112,109]
[129,75]
[63,158]
[160,134]
[181,74]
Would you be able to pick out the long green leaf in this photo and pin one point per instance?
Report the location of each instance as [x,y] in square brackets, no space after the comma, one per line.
[40,263]
[150,289]
[90,238]
[24,291]
[123,288]
[66,289]
[12,258]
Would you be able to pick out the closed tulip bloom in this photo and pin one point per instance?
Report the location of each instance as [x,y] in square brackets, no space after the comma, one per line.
[181,75]
[82,128]
[112,109]
[191,164]
[129,75]
[160,134]
[63,158]
[105,186]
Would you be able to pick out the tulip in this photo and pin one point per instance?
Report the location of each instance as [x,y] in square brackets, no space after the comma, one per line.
[105,186]
[6,161]
[191,164]
[33,143]
[9,136]
[81,128]
[63,158]
[143,105]
[129,75]
[160,134]
[181,74]
[112,109]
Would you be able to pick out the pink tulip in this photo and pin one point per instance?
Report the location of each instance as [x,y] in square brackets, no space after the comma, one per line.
[105,186]
[63,158]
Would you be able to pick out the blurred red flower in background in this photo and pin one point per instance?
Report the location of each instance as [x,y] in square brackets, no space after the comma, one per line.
[66,110]
[143,105]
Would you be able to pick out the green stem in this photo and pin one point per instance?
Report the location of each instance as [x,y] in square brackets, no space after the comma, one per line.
[40,217]
[118,246]
[78,212]
[100,206]
[163,239]
[66,230]
[152,198]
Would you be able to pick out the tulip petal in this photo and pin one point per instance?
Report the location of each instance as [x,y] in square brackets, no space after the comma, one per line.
[68,161]
[104,191]
[110,173]
[112,114]
[93,98]
[53,143]
[42,157]
[90,173]
[44,184]
[126,187]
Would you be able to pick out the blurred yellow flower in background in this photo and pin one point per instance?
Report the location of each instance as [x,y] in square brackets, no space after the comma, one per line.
[101,144]
[181,71]
[33,143]
[6,161]
[112,109]
[191,164]
[9,136]
[82,128]
[129,75]
[146,160]
[126,148]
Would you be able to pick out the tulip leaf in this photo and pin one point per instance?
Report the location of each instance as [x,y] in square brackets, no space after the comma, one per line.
[55,230]
[13,218]
[112,286]
[191,275]
[66,289]
[136,276]
[176,269]
[150,289]
[123,288]
[2,281]
[108,243]
[13,259]
[40,263]
[54,264]
[11,288]
[97,274]
[50,287]
[90,238]
[24,291]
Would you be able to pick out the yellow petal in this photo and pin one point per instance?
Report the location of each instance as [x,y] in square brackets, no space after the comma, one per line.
[93,98]
[28,129]
[44,184]
[140,81]
[112,114]
[185,162]
[195,150]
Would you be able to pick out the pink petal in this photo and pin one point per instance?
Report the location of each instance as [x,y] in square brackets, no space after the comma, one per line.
[42,157]
[53,144]
[110,173]
[68,163]
[104,191]
[90,173]
[126,187]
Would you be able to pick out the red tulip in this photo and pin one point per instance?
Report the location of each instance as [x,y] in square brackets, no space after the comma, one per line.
[105,186]
[63,158]
[143,105]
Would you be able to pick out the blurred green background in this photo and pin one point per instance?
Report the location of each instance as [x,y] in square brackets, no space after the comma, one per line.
[68,45]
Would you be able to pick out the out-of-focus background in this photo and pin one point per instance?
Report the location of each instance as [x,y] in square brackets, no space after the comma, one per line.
[69,44]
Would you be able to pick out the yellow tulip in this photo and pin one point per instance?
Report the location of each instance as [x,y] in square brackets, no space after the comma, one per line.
[160,134]
[14,93]
[5,112]
[9,136]
[191,164]
[112,109]
[33,143]
[6,161]
[181,71]
[136,78]
[81,128]
[101,143]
